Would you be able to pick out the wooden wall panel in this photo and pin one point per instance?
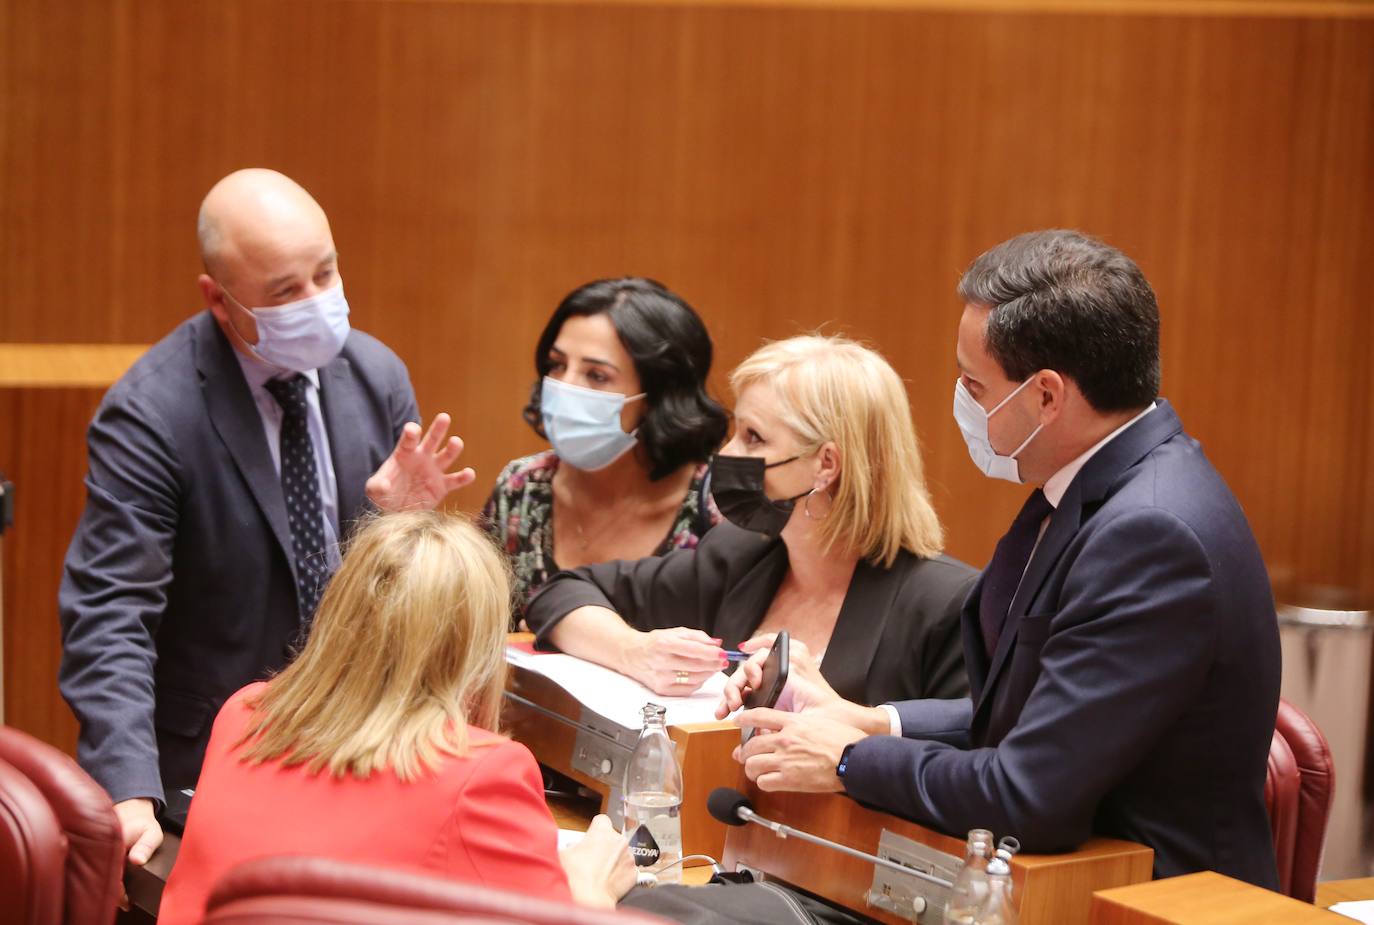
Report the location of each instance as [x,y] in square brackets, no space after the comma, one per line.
[44,455]
[785,167]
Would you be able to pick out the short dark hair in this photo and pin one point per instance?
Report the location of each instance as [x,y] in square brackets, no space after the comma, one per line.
[672,355]
[1065,301]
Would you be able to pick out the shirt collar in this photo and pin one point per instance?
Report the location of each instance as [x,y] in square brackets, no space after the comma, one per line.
[1057,484]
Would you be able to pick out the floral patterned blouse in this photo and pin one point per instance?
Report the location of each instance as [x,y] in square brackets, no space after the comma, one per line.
[519,516]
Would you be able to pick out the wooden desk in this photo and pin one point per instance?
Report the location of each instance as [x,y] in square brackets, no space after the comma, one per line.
[1050,889]
[1344,891]
[1206,898]
[543,719]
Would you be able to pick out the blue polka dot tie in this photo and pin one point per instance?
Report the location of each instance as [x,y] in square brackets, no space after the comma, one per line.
[300,483]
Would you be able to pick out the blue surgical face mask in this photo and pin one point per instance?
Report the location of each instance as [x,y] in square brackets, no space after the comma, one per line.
[301,335]
[973,424]
[584,425]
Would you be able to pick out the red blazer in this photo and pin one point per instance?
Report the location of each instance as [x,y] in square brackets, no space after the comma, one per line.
[480,818]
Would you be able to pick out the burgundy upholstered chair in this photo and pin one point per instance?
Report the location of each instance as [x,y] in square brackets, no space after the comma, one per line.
[320,891]
[32,853]
[94,867]
[1316,790]
[1281,788]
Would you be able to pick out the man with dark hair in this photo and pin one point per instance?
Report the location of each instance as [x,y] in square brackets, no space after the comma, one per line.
[1122,646]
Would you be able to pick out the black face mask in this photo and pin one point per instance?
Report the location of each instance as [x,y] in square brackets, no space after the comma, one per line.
[737,487]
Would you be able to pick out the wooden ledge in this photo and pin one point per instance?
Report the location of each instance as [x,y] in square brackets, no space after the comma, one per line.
[52,366]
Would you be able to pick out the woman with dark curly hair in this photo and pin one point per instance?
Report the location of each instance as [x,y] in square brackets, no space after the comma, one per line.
[621,397]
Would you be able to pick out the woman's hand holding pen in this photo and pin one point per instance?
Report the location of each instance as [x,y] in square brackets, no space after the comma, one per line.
[673,662]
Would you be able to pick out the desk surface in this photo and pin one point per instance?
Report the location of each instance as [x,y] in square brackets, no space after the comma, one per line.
[1341,891]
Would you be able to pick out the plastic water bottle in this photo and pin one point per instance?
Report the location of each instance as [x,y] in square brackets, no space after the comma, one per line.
[998,909]
[971,883]
[653,800]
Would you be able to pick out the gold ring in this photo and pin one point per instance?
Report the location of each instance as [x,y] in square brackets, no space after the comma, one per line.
[683,677]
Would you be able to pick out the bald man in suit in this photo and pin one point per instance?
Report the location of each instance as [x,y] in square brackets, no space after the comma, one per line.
[225,467]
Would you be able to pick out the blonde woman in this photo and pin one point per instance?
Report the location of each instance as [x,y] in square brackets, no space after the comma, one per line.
[378,743]
[831,536]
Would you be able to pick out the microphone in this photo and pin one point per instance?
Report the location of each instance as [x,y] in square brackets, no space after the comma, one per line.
[731,807]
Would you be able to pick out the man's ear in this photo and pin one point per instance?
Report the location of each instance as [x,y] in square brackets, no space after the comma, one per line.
[1052,390]
[213,296]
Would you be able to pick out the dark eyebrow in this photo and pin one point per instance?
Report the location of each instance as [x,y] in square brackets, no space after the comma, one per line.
[553,348]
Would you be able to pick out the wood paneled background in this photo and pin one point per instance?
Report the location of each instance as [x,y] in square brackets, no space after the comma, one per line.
[784,167]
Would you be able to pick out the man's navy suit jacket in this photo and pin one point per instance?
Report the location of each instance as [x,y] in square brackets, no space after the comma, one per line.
[1134,689]
[179,583]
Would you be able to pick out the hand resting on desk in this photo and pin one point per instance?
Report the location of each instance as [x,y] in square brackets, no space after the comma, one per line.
[672,662]
[599,867]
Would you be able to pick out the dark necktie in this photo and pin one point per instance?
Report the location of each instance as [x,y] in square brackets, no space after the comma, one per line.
[300,484]
[1003,575]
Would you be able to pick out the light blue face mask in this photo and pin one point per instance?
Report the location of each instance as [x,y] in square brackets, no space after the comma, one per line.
[584,425]
[301,335]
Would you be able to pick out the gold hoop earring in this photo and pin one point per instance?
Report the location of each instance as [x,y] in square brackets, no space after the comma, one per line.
[806,505]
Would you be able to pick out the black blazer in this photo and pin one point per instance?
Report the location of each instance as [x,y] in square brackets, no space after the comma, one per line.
[178,587]
[897,635]
[1134,689]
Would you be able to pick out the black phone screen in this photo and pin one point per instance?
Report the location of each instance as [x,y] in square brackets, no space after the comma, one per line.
[774,680]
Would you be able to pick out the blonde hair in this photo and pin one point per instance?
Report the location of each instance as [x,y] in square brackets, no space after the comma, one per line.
[406,650]
[833,389]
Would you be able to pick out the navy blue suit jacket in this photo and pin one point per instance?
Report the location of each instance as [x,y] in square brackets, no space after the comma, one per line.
[1134,689]
[178,587]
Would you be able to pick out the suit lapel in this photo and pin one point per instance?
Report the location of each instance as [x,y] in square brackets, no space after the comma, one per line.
[340,399]
[1058,533]
[860,628]
[239,426]
[1088,488]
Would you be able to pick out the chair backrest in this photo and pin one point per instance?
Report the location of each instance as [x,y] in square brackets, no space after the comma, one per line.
[291,890]
[33,853]
[95,851]
[1317,790]
[1281,788]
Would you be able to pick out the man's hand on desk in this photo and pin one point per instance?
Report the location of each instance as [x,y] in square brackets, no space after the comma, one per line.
[599,867]
[415,477]
[794,751]
[142,834]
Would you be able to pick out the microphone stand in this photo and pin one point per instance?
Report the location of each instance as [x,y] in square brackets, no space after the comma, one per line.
[786,831]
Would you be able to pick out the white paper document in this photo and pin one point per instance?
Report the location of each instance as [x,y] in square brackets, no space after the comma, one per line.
[613,695]
[1360,911]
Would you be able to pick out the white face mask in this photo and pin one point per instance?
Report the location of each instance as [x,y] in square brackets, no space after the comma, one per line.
[301,335]
[584,425]
[973,424]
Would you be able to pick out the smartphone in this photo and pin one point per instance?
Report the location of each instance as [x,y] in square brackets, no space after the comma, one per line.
[774,680]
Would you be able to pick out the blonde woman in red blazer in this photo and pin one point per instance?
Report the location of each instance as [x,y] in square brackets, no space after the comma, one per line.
[378,743]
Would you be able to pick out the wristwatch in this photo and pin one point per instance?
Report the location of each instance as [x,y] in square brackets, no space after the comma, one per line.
[844,760]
